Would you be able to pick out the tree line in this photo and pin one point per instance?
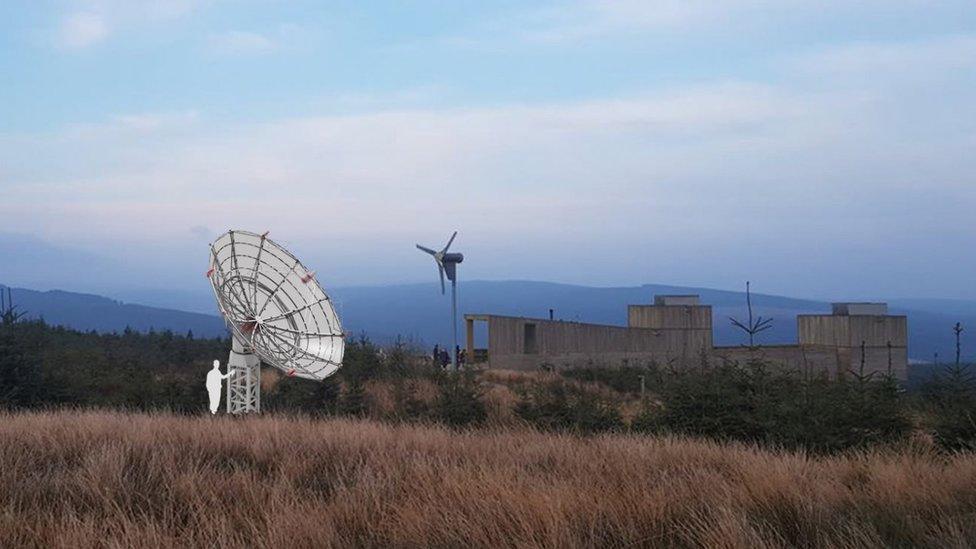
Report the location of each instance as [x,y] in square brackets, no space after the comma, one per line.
[756,402]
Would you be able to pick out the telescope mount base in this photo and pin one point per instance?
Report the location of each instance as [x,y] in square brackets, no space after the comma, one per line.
[244,383]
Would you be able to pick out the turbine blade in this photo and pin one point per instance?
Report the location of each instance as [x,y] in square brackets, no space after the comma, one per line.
[441,269]
[449,242]
[426,249]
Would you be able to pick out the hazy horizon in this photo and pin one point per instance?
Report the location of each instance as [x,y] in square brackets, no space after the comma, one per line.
[821,150]
[103,281]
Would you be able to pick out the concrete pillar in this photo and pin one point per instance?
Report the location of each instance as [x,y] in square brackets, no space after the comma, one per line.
[469,342]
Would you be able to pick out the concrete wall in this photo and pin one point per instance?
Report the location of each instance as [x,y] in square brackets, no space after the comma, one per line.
[691,325]
[681,334]
[850,331]
[670,317]
[846,334]
[570,344]
[686,299]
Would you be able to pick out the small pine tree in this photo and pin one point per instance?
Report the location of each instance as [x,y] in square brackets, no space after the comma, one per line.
[952,395]
[408,406]
[559,405]
[21,383]
[352,401]
[460,402]
[325,396]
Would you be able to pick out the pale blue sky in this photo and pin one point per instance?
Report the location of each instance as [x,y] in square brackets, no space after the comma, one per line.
[821,149]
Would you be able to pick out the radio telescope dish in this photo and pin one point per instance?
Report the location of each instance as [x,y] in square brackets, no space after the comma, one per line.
[277,313]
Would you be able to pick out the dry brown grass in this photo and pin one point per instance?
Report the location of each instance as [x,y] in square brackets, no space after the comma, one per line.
[500,391]
[380,398]
[514,377]
[381,402]
[133,480]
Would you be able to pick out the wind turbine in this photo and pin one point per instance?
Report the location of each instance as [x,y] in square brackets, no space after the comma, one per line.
[447,264]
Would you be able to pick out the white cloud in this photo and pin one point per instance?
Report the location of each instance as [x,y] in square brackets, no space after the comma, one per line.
[93,21]
[80,30]
[158,9]
[241,42]
[576,21]
[403,98]
[940,54]
[283,37]
[705,171]
[591,18]
[148,122]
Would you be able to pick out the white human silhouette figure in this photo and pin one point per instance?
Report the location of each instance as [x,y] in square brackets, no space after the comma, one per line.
[213,385]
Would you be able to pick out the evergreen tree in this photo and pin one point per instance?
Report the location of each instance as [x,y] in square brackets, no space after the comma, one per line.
[952,396]
[459,402]
[20,372]
[352,402]
[325,396]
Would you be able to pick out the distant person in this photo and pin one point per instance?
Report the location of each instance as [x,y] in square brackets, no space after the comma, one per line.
[213,385]
[462,357]
[437,354]
[445,358]
[457,355]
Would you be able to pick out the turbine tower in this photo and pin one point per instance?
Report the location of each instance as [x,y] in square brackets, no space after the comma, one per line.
[447,264]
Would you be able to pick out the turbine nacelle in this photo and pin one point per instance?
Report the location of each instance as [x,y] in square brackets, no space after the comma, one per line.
[446,262]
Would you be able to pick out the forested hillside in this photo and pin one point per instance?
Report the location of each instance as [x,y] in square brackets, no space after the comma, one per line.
[419,312]
[91,312]
[43,366]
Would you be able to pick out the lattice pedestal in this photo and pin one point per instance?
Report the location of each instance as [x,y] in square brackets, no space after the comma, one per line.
[244,383]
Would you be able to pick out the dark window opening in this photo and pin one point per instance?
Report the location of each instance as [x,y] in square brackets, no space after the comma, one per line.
[529,344]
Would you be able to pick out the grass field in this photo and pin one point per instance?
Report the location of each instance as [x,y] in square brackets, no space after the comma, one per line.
[84,479]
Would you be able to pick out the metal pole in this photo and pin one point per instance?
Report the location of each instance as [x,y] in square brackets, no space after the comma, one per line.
[958,330]
[454,359]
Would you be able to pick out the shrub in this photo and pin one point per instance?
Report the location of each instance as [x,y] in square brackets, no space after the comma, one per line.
[561,405]
[951,395]
[460,402]
[352,401]
[762,403]
[21,382]
[409,403]
[623,379]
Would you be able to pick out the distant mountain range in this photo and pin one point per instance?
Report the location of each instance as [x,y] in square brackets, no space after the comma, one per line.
[91,312]
[419,311]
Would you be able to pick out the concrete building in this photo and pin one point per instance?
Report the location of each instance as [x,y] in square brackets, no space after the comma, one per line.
[860,332]
[677,331]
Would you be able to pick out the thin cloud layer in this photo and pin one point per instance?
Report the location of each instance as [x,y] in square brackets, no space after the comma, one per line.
[241,42]
[89,22]
[829,168]
[81,30]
